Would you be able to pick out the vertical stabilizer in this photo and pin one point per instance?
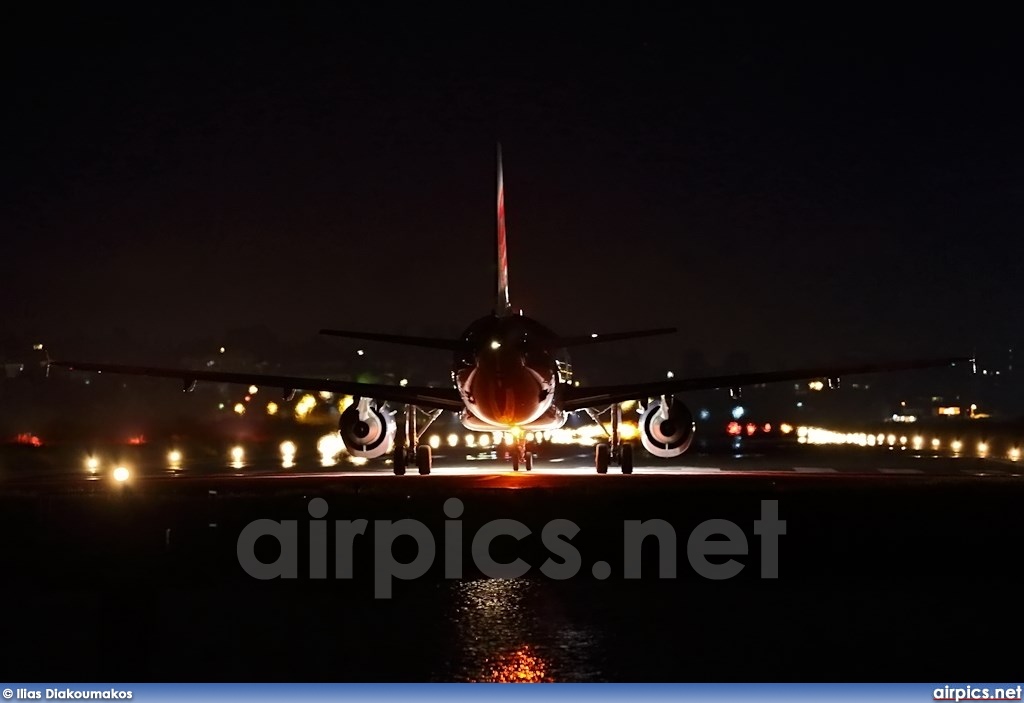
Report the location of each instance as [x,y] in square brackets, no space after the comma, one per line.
[502,305]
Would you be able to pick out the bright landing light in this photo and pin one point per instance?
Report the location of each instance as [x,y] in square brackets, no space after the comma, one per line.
[174,457]
[121,474]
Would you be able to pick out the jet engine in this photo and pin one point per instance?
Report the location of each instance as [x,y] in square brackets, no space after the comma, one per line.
[366,430]
[669,436]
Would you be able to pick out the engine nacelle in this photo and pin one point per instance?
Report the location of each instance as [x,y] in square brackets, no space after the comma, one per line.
[369,436]
[667,437]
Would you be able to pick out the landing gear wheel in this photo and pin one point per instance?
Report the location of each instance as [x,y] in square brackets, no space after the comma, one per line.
[423,459]
[399,460]
[602,458]
[529,461]
[515,461]
[626,458]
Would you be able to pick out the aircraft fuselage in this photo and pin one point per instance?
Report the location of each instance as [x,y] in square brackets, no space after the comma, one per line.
[508,374]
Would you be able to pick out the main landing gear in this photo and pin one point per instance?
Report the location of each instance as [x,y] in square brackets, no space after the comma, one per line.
[408,449]
[615,450]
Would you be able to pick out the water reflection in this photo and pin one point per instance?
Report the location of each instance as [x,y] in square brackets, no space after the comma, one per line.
[515,631]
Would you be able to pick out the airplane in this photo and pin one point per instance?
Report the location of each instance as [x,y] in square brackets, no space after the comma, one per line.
[512,374]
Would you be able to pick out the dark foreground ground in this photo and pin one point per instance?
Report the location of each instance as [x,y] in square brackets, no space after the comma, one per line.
[905,574]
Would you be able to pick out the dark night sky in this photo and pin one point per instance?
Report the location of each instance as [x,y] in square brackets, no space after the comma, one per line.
[803,187]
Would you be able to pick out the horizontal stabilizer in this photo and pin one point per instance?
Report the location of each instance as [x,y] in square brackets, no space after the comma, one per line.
[429,342]
[612,337]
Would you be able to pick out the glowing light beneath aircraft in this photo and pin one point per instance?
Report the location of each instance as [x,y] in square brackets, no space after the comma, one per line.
[237,454]
[287,448]
[453,440]
[470,440]
[936,443]
[1014,454]
[330,446]
[982,448]
[305,406]
[918,442]
[435,441]
[174,457]
[485,440]
[956,445]
[121,474]
[92,463]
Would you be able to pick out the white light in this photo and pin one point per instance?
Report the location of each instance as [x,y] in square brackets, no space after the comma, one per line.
[593,335]
[495,344]
[174,456]
[485,440]
[92,463]
[360,352]
[435,441]
[956,445]
[404,382]
[470,440]
[670,375]
[253,390]
[737,412]
[935,443]
[330,446]
[121,474]
[918,442]
[287,448]
[222,350]
[891,439]
[237,454]
[453,440]
[1014,454]
[982,448]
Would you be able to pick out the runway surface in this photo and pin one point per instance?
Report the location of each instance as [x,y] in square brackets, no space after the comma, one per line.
[894,565]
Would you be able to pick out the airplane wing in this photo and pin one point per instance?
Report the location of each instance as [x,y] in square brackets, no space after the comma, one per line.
[593,396]
[443,398]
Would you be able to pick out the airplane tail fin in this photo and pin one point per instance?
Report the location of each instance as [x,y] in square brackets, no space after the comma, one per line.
[37,366]
[502,305]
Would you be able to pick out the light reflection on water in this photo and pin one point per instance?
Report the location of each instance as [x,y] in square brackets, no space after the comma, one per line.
[514,631]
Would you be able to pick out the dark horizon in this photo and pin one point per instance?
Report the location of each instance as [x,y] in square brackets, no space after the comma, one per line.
[789,187]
